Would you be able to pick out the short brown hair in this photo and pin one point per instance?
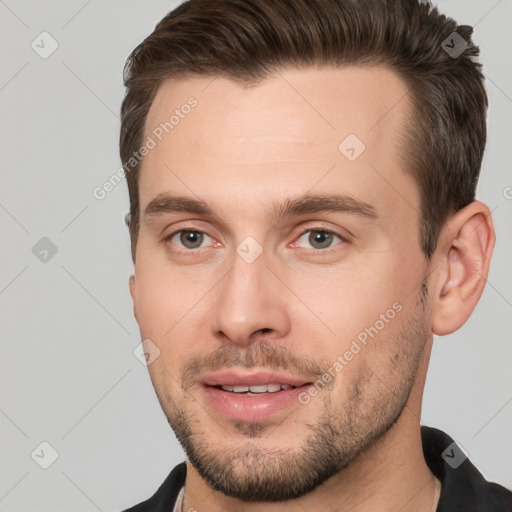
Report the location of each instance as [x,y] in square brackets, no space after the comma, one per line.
[248,40]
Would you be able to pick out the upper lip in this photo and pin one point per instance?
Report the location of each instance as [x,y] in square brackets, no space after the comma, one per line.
[258,378]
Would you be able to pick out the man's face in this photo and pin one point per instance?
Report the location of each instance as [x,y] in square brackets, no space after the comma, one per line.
[264,285]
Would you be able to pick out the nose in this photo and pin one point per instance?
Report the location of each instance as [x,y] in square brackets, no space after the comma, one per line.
[250,304]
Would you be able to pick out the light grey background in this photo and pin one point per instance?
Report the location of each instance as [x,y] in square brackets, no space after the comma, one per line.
[68,373]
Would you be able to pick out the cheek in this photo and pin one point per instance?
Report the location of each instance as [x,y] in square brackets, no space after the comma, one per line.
[171,311]
[352,297]
[363,305]
[164,296]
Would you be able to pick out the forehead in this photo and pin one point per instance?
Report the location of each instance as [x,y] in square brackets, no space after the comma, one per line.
[280,137]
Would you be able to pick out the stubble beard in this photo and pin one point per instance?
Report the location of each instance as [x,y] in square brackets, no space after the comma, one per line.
[370,406]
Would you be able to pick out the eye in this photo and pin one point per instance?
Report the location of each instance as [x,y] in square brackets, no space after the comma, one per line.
[318,239]
[189,239]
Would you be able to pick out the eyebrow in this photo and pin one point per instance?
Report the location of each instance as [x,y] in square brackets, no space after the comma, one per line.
[326,203]
[165,203]
[302,205]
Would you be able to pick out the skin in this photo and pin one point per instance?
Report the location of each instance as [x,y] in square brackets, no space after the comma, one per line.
[239,151]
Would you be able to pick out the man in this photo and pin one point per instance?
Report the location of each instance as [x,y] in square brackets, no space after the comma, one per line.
[303,220]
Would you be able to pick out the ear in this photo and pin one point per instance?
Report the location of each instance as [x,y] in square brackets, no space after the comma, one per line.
[463,257]
[133,293]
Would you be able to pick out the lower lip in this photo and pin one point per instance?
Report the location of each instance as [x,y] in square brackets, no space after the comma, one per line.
[252,408]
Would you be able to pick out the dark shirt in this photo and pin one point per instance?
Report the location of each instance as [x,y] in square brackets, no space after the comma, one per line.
[463,489]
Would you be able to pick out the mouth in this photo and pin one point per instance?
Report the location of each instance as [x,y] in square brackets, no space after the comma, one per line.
[253,397]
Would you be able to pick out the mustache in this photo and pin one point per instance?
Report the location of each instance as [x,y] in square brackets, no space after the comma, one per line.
[264,355]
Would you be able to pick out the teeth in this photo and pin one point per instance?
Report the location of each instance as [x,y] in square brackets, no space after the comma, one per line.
[268,388]
[258,389]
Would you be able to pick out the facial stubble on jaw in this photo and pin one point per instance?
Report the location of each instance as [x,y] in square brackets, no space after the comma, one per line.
[250,472]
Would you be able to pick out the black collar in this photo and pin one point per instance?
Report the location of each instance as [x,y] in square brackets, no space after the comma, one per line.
[463,488]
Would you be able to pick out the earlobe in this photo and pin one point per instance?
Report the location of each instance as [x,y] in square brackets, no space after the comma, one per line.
[465,250]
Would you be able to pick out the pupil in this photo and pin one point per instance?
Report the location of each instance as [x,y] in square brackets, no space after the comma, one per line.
[320,239]
[191,239]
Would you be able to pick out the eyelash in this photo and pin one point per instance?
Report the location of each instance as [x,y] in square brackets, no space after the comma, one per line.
[318,229]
